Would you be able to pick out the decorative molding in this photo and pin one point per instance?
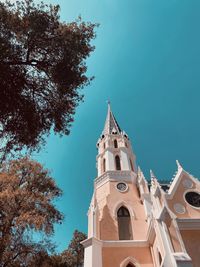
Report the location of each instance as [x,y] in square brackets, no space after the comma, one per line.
[122,191]
[121,203]
[90,241]
[125,243]
[129,260]
[188,224]
[116,175]
[179,208]
[115,243]
[187,183]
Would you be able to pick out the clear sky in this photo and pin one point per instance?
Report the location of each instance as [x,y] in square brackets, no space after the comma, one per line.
[147,62]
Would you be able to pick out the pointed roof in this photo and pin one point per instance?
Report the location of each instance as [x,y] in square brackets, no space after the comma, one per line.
[111,125]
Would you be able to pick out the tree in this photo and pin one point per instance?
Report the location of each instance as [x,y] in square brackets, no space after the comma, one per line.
[26,195]
[74,255]
[42,69]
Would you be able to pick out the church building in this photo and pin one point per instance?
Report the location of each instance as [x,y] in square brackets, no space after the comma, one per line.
[136,223]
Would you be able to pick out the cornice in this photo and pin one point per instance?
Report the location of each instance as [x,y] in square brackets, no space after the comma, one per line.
[116,176]
[125,243]
[115,243]
[188,224]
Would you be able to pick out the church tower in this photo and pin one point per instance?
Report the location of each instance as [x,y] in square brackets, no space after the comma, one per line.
[133,223]
[118,214]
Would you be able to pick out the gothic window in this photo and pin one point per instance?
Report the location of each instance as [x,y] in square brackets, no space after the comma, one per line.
[130,265]
[104,165]
[104,145]
[115,143]
[159,257]
[124,224]
[117,163]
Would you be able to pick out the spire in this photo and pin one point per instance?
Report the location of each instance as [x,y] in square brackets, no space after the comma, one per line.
[178,164]
[111,125]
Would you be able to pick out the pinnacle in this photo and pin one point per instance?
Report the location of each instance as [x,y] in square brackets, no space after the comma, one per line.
[152,175]
[178,164]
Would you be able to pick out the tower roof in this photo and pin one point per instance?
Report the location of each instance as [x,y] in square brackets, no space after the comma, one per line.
[111,125]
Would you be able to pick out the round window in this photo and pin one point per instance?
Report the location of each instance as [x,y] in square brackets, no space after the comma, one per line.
[193,198]
[122,187]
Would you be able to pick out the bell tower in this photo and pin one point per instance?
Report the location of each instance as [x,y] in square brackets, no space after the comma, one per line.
[114,148]
[118,213]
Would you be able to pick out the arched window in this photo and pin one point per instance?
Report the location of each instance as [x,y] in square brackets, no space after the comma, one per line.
[124,224]
[159,257]
[130,265]
[115,143]
[117,163]
[104,165]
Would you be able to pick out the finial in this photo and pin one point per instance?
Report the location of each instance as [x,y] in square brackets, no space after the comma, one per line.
[139,169]
[178,164]
[152,175]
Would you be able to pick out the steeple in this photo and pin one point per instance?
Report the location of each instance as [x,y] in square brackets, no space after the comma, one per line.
[114,148]
[111,125]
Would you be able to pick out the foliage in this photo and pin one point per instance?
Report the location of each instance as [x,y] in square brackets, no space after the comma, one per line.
[26,195]
[42,69]
[74,255]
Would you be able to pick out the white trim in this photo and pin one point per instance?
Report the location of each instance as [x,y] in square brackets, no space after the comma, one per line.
[177,180]
[115,243]
[125,243]
[179,236]
[115,175]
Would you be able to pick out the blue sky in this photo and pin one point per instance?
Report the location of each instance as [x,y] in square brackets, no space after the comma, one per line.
[147,62]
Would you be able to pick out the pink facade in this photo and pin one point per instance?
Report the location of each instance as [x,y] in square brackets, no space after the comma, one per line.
[132,223]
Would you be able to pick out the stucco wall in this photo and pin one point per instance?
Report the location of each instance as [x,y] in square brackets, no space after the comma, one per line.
[191,239]
[109,199]
[113,257]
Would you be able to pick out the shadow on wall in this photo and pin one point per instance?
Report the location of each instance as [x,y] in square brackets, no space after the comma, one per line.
[108,226]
